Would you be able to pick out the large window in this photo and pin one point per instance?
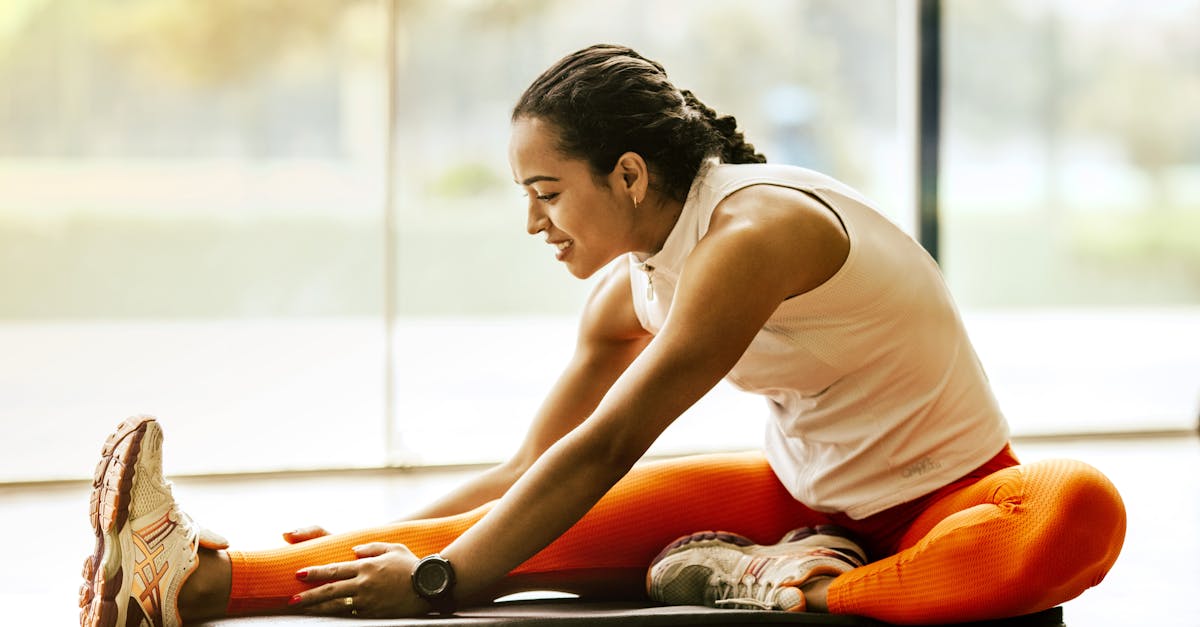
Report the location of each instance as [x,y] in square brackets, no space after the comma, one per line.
[1071,204]
[190,219]
[193,212]
[199,217]
[486,318]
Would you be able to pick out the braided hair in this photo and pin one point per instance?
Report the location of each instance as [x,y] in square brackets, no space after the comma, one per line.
[606,100]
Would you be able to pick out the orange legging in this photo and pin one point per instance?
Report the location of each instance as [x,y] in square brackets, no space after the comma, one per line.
[1004,540]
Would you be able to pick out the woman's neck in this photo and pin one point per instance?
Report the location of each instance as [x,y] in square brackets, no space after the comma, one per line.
[659,215]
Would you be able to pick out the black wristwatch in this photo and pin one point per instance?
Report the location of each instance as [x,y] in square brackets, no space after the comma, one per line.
[433,580]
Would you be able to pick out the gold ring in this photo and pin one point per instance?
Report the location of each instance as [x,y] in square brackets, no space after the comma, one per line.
[348,602]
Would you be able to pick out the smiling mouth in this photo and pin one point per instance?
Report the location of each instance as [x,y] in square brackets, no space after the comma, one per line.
[562,249]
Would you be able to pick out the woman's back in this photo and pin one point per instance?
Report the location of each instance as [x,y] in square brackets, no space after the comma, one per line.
[875,391]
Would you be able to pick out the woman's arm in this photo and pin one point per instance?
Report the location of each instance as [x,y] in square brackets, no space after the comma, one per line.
[754,256]
[610,337]
[764,246]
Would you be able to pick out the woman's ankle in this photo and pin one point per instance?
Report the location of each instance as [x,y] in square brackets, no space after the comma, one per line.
[814,594]
[205,593]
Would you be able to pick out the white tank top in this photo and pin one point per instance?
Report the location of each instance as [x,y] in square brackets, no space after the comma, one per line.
[876,394]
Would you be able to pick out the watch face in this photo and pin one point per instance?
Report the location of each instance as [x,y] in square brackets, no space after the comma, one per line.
[433,577]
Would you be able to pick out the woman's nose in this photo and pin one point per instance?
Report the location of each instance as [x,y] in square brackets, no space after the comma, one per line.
[536,222]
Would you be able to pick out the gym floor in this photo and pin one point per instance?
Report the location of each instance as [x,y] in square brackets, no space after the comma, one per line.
[46,534]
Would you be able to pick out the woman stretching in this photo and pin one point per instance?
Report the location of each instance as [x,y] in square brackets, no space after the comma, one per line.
[781,280]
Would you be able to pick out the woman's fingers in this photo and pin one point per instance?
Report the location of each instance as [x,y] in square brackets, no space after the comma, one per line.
[374,584]
[375,549]
[304,533]
[336,571]
[340,606]
[332,599]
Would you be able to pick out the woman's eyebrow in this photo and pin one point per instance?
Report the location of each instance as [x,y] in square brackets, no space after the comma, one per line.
[535,179]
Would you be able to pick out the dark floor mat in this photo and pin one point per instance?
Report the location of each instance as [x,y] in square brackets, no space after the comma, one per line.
[578,614]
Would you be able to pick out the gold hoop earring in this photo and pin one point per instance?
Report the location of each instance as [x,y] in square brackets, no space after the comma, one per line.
[635,202]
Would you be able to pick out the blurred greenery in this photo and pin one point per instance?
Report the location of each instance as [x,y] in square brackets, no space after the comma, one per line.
[469,178]
[1036,87]
[104,267]
[1002,260]
[101,266]
[213,42]
[1141,242]
[1087,123]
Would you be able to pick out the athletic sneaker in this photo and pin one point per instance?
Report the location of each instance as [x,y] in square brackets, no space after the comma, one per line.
[145,546]
[720,569]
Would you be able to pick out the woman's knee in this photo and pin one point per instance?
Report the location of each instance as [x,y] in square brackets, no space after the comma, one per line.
[1080,520]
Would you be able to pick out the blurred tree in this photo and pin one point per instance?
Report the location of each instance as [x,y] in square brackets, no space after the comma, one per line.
[991,65]
[1144,93]
[504,14]
[215,42]
[15,18]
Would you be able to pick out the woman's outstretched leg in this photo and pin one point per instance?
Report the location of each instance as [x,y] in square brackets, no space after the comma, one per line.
[605,554]
[1022,539]
[150,560]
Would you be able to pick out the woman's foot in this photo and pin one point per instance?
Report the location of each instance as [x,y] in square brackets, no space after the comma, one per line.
[145,546]
[719,569]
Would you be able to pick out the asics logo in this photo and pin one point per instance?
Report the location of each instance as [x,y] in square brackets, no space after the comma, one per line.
[148,574]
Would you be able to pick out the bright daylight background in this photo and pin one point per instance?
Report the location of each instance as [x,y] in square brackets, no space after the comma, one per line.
[196,218]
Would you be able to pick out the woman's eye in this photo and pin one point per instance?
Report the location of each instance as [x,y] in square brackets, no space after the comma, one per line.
[547,197]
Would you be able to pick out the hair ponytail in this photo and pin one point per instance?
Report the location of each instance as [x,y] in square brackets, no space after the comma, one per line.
[607,100]
[735,149]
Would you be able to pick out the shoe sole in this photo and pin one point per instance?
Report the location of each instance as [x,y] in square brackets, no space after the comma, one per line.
[112,485]
[716,537]
[820,530]
[838,540]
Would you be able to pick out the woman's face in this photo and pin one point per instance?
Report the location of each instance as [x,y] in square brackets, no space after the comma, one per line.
[588,224]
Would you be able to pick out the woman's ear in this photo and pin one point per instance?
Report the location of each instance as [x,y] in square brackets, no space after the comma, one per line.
[632,174]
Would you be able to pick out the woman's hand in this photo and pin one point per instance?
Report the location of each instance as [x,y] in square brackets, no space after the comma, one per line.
[377,584]
[304,533]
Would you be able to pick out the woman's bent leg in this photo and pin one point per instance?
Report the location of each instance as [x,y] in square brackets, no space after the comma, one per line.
[1021,540]
[606,552]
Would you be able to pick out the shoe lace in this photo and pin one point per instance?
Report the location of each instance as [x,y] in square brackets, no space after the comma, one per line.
[746,591]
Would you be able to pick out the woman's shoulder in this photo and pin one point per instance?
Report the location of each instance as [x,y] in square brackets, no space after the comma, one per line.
[768,207]
[790,230]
